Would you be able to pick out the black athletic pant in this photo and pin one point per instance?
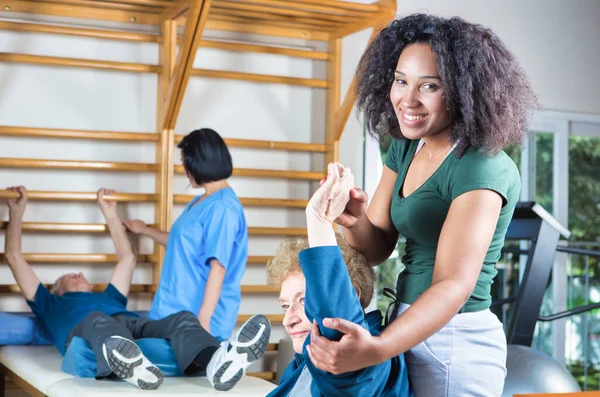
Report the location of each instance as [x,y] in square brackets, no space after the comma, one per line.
[193,345]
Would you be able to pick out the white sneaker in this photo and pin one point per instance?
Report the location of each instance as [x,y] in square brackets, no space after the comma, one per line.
[228,364]
[126,360]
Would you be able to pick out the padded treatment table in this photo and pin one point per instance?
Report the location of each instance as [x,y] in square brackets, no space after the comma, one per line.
[37,369]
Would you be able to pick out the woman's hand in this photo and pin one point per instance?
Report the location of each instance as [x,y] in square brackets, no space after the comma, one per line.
[356,350]
[135,226]
[330,200]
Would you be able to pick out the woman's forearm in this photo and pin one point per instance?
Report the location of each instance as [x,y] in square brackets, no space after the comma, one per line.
[427,315]
[212,293]
[370,241]
[157,235]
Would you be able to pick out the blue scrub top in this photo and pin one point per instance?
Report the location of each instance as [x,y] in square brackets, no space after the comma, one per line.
[215,228]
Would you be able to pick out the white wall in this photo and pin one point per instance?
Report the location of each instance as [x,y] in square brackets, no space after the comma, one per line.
[35,96]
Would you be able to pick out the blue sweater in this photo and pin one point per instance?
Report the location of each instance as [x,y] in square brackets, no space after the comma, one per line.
[329,294]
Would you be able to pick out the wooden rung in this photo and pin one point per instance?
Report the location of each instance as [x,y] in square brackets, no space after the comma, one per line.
[262,375]
[260,78]
[83,32]
[343,5]
[283,174]
[86,11]
[54,227]
[79,63]
[272,347]
[108,258]
[317,8]
[273,318]
[258,260]
[78,134]
[262,144]
[79,258]
[81,196]
[251,202]
[282,13]
[264,49]
[141,288]
[98,5]
[259,289]
[77,165]
[255,16]
[270,28]
[277,231]
[61,227]
[135,288]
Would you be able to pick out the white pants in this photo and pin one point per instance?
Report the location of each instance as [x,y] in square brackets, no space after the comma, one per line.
[466,358]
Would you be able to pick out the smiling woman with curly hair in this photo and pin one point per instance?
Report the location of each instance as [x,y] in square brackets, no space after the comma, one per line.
[452,96]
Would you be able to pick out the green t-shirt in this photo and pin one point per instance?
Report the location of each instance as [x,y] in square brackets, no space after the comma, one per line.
[420,216]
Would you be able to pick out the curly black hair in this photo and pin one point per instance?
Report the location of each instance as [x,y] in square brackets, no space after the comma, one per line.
[487,93]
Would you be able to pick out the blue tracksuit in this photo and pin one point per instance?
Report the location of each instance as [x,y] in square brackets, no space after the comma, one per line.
[329,294]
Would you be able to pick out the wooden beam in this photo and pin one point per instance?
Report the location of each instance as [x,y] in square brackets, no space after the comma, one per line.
[167,51]
[39,195]
[77,165]
[287,31]
[261,78]
[78,258]
[72,11]
[264,49]
[175,10]
[100,5]
[141,288]
[82,32]
[315,8]
[275,145]
[258,260]
[263,375]
[270,16]
[196,19]
[334,73]
[281,11]
[107,258]
[78,134]
[248,172]
[79,63]
[277,231]
[249,201]
[273,318]
[342,4]
[343,113]
[386,13]
[55,227]
[151,38]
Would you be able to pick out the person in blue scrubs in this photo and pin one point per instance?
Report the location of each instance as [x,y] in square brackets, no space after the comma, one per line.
[207,246]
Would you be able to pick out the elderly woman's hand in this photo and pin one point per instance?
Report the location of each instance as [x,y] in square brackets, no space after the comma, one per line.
[330,200]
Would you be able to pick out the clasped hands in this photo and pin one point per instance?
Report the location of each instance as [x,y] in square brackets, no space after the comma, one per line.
[330,200]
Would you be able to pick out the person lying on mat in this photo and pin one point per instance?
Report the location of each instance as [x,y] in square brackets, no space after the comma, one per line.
[70,309]
[323,277]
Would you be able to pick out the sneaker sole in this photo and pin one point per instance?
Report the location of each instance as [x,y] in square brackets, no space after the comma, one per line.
[133,358]
[245,344]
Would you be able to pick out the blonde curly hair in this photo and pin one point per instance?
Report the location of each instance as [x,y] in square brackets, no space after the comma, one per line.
[285,263]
